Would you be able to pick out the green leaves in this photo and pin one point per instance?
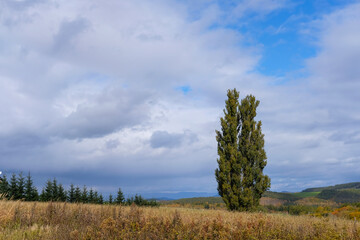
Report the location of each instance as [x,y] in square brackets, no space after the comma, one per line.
[242,157]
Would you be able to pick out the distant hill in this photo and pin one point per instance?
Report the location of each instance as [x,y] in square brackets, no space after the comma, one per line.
[341,193]
[197,200]
[282,196]
[353,185]
[177,195]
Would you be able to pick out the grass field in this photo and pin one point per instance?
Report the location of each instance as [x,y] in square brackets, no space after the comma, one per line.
[23,220]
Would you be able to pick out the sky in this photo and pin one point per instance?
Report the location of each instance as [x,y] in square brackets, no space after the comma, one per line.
[129,93]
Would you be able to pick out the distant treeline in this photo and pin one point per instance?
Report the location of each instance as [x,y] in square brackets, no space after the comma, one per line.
[19,187]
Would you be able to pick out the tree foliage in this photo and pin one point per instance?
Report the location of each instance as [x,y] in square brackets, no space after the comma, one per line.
[120,199]
[4,187]
[31,193]
[21,188]
[242,157]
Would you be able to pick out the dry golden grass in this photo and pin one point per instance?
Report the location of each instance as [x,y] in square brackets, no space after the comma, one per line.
[271,201]
[22,220]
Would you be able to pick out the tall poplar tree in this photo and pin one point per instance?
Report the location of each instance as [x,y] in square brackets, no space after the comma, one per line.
[242,157]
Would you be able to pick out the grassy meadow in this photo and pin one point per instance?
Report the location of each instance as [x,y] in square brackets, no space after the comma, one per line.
[35,220]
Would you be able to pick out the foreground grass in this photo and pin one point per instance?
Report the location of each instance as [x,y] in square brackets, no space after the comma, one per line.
[22,220]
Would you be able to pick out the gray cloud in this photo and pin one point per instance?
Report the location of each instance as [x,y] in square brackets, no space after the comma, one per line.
[21,5]
[21,141]
[113,143]
[171,140]
[352,137]
[67,33]
[164,139]
[107,113]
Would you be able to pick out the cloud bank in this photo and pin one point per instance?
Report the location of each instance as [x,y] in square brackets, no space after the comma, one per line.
[130,93]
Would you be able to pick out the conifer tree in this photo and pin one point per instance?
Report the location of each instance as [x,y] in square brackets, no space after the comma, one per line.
[84,195]
[139,200]
[129,200]
[48,191]
[55,191]
[61,193]
[100,199]
[43,197]
[91,196]
[28,188]
[110,199]
[20,193]
[96,197]
[242,157]
[13,189]
[120,199]
[35,194]
[77,194]
[31,193]
[4,186]
[71,195]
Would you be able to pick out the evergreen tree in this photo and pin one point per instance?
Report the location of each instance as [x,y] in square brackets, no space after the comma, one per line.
[120,199]
[55,191]
[71,195]
[77,194]
[91,196]
[28,188]
[139,200]
[242,157]
[110,199]
[130,200]
[84,195]
[13,187]
[43,197]
[61,193]
[48,192]
[96,197]
[31,193]
[100,199]
[4,187]
[35,194]
[20,193]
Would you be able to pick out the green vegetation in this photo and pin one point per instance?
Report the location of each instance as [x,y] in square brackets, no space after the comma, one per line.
[341,196]
[292,203]
[305,194]
[353,185]
[20,188]
[242,157]
[197,200]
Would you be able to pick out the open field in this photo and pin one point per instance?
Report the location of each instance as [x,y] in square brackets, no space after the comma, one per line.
[30,220]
